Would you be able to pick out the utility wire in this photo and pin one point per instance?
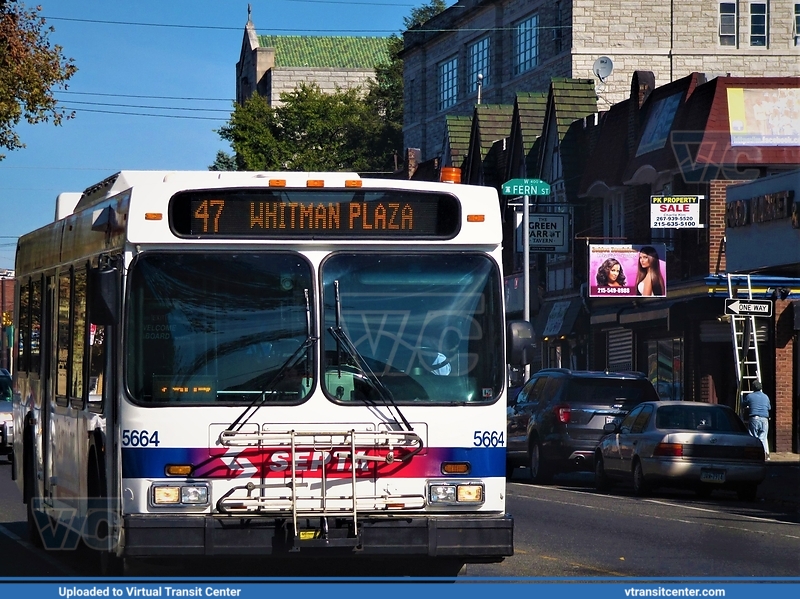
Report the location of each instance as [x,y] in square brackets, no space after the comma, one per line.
[152,107]
[168,116]
[220,28]
[211,27]
[63,91]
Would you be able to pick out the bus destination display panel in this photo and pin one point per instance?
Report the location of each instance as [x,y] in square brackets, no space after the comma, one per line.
[315,214]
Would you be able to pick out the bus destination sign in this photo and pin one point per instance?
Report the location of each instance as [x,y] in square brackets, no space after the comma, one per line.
[314,214]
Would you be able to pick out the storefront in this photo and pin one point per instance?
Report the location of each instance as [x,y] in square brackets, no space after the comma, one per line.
[763,241]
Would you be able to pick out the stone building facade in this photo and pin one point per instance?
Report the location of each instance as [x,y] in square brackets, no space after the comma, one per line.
[270,65]
[519,45]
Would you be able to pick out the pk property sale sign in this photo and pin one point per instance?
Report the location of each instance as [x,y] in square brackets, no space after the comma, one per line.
[675,212]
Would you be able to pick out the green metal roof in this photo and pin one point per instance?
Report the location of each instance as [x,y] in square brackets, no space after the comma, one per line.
[531,108]
[492,122]
[457,131]
[334,52]
[573,99]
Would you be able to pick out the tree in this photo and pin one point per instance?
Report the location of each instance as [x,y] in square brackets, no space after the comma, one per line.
[424,13]
[310,131]
[385,94]
[347,130]
[29,70]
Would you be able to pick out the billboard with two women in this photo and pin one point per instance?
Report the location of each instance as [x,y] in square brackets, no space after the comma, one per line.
[628,270]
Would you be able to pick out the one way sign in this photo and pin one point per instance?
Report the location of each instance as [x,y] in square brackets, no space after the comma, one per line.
[748,307]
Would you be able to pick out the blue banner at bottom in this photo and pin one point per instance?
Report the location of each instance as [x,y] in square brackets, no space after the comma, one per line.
[366,588]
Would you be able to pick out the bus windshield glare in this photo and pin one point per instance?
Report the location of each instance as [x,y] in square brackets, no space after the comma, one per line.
[425,325]
[218,328]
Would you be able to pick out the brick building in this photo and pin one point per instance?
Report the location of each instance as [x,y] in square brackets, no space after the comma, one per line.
[520,45]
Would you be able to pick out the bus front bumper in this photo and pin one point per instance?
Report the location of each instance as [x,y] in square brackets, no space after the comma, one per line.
[468,538]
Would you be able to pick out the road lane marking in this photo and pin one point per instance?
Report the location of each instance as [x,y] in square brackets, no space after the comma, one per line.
[666,503]
[42,554]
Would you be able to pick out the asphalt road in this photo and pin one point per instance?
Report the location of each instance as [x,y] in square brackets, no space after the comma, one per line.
[567,529]
[562,530]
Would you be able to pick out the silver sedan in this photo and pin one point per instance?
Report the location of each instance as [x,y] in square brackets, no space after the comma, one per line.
[681,444]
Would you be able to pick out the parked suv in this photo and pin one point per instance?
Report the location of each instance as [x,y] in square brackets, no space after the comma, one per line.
[556,421]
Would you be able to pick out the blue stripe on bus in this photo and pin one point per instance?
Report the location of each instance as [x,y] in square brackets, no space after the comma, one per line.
[150,462]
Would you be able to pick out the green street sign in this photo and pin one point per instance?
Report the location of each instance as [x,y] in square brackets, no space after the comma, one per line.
[526,187]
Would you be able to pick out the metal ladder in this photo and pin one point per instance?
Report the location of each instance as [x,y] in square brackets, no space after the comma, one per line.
[745,343]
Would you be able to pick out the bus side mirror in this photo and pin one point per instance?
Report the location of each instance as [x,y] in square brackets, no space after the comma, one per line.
[520,342]
[104,296]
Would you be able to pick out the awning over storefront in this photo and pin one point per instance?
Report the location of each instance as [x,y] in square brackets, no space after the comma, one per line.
[606,315]
[557,318]
[644,314]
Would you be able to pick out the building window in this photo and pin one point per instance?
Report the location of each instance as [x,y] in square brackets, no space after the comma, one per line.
[727,24]
[526,45]
[665,236]
[797,24]
[614,218]
[448,83]
[759,19]
[479,63]
[559,277]
[557,36]
[665,367]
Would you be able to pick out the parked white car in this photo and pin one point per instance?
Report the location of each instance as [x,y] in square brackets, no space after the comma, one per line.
[681,444]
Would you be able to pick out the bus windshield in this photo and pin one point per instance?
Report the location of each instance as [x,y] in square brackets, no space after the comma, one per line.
[428,326]
[221,327]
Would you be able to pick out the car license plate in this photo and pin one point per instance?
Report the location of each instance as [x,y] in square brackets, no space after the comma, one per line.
[712,476]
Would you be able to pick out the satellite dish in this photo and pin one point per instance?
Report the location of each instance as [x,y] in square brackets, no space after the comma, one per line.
[602,67]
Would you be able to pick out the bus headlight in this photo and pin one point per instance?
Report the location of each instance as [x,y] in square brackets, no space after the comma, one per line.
[443,494]
[194,495]
[447,493]
[172,495]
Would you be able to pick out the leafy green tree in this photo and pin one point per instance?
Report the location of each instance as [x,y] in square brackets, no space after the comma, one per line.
[354,129]
[310,130]
[424,13]
[223,162]
[385,98]
[29,70]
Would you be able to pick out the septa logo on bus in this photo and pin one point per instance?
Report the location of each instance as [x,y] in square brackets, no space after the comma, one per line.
[275,462]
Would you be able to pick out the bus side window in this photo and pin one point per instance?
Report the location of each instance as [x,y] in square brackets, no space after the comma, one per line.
[35,356]
[97,363]
[24,329]
[76,382]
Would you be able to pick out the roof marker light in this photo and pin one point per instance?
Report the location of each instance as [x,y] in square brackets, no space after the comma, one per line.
[315,183]
[277,182]
[450,174]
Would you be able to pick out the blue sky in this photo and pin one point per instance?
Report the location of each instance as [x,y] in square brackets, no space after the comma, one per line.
[117,58]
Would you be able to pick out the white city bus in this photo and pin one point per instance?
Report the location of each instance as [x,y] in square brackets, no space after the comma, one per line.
[266,364]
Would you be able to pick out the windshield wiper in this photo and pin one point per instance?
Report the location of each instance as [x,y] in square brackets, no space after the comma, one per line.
[306,346]
[344,342]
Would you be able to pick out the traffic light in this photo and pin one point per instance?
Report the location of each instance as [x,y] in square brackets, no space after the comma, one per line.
[8,319]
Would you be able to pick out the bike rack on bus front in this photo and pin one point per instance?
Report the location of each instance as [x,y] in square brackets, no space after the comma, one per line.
[387,447]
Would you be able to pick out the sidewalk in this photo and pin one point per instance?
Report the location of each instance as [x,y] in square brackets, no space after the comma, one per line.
[782,484]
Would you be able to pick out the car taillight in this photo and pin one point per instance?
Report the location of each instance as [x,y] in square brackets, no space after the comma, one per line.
[674,450]
[562,413]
